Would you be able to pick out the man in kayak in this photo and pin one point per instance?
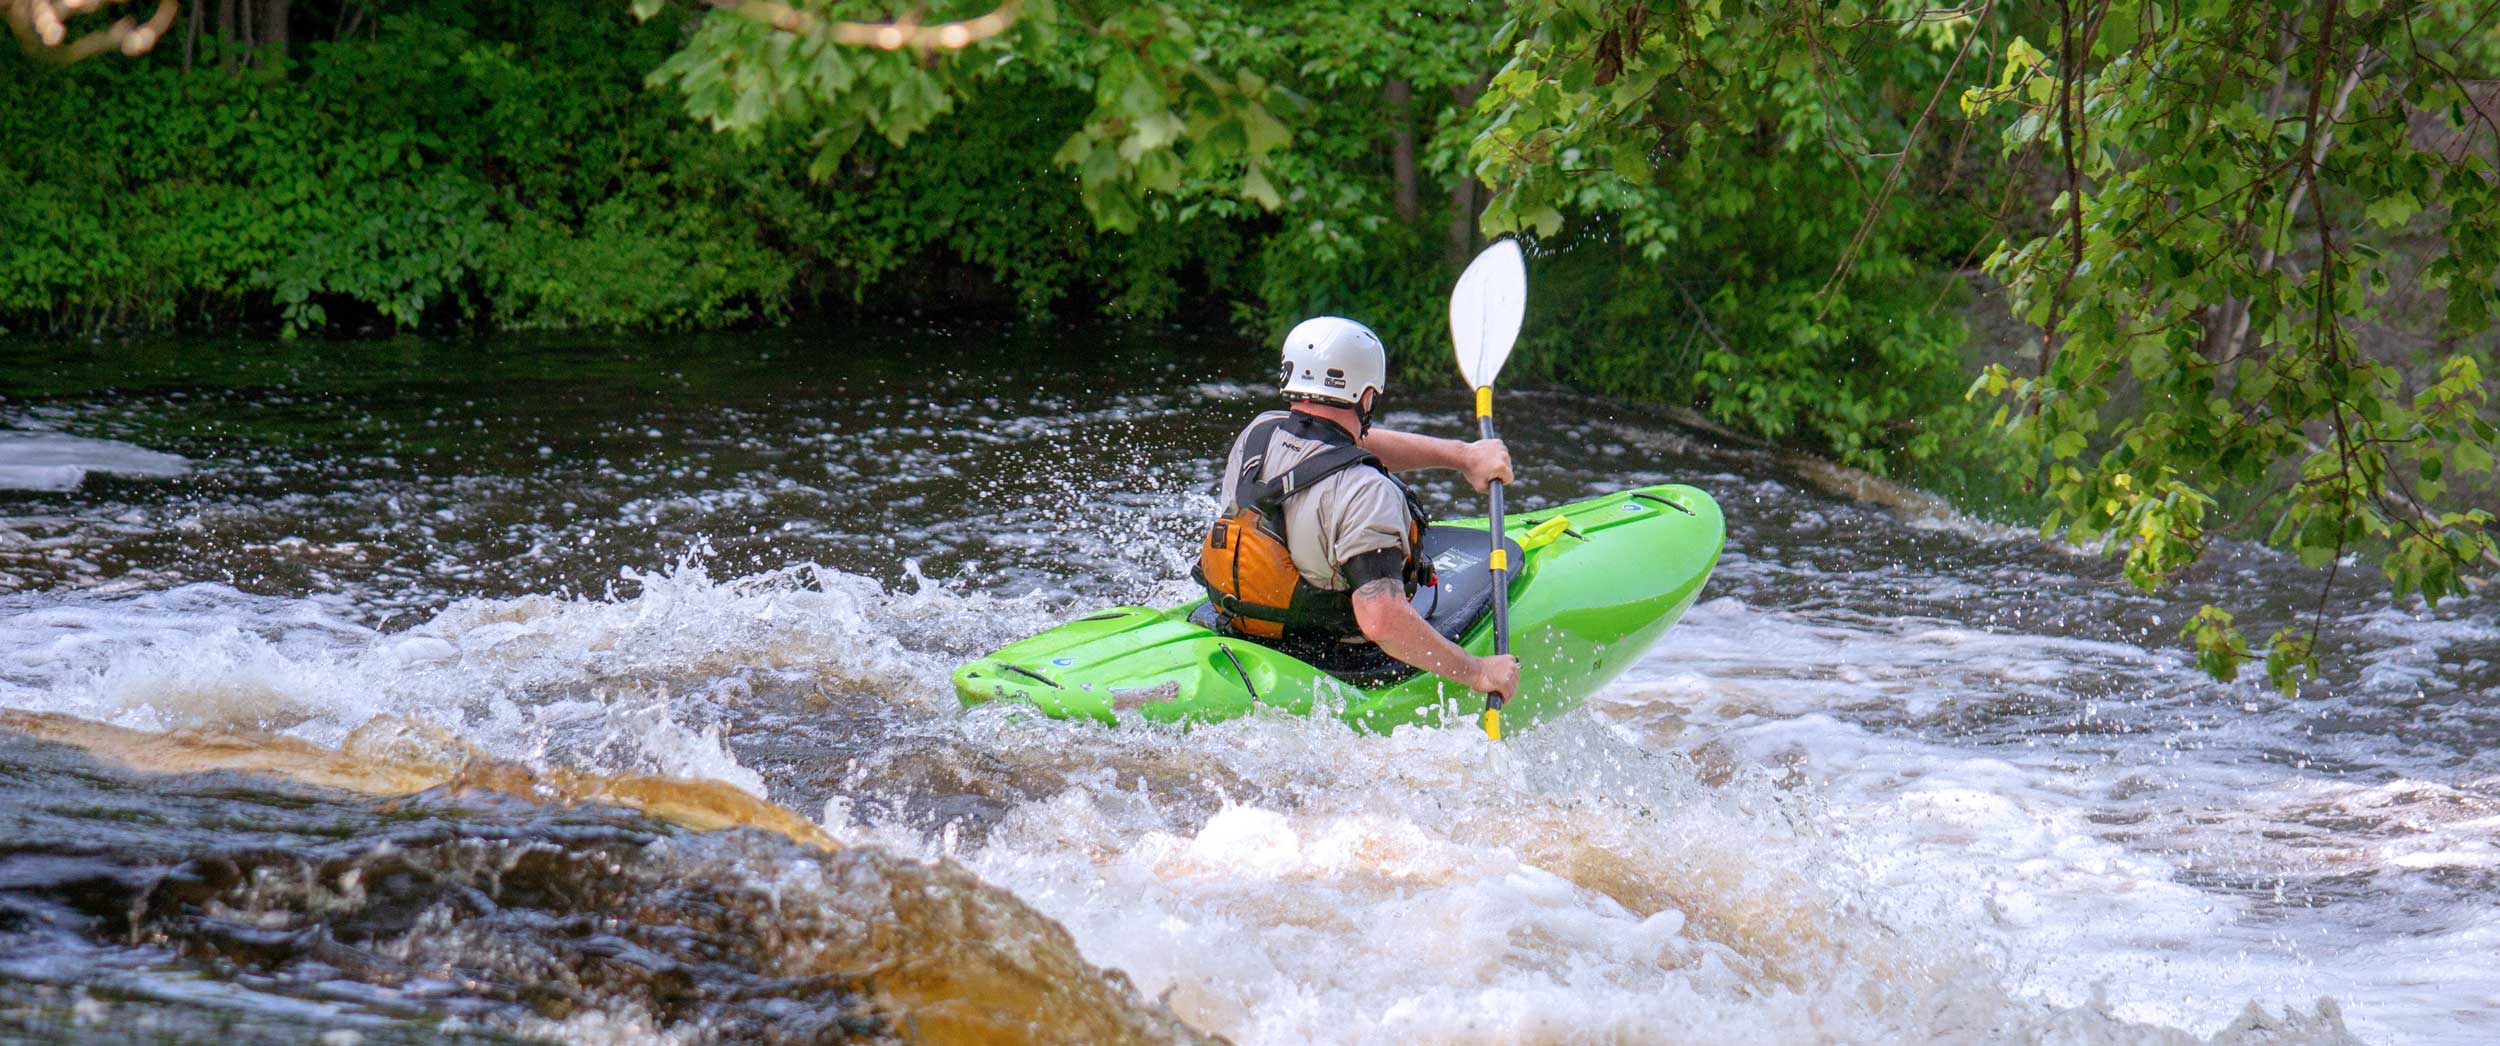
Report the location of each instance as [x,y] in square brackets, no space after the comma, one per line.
[1315,551]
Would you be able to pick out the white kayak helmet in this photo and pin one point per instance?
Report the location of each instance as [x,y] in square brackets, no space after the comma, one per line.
[1331,359]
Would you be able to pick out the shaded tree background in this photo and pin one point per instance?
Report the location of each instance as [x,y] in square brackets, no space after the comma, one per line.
[2250,248]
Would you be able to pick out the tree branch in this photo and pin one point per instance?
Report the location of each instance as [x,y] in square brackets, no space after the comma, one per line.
[889,36]
[1883,193]
[42,25]
[2315,152]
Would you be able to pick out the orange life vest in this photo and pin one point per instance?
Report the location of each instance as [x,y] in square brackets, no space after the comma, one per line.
[1247,565]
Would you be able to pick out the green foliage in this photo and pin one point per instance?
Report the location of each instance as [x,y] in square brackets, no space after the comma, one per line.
[423,170]
[2241,188]
[1253,132]
[1165,118]
[2217,643]
[504,164]
[1712,146]
[631,261]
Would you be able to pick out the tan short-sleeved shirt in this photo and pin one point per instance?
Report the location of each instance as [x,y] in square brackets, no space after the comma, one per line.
[1356,511]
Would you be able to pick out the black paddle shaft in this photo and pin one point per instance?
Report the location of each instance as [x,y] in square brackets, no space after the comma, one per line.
[1501,572]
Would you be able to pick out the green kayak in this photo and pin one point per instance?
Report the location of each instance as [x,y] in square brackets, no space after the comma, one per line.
[1602,579]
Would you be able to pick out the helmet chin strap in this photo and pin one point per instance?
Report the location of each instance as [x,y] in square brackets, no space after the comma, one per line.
[1362,414]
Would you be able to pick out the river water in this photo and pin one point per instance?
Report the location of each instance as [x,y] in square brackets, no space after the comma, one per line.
[386,691]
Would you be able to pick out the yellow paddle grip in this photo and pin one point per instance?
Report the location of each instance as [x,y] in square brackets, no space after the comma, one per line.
[1493,723]
[1484,401]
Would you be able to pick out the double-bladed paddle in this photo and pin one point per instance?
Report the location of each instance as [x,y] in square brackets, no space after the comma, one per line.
[1485,310]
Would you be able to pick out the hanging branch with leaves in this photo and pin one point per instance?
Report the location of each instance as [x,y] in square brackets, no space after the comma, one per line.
[42,29]
[1166,122]
[2228,223]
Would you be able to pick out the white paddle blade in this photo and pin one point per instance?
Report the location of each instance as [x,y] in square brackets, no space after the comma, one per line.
[1485,309]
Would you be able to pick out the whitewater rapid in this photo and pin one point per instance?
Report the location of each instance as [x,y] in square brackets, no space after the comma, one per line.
[1700,856]
[1898,777]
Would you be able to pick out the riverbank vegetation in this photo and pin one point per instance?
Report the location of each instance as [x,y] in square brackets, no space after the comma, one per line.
[2251,248]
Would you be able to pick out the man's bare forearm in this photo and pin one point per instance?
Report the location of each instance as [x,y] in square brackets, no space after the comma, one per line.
[1406,451]
[1380,607]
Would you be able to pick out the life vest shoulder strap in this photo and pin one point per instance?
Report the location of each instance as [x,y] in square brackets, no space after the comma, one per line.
[1269,495]
[1304,476]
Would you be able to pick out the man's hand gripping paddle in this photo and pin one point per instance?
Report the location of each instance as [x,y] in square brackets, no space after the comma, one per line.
[1485,310]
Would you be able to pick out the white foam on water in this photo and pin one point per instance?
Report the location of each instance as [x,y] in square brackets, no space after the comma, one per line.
[1963,525]
[1768,831]
[1227,391]
[645,683]
[2418,640]
[1426,886]
[36,460]
[2125,871]
[1566,886]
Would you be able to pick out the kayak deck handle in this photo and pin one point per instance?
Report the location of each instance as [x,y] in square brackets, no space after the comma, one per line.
[1031,674]
[1244,673]
[1644,496]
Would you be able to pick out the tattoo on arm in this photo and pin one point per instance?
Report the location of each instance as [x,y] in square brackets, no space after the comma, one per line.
[1378,588]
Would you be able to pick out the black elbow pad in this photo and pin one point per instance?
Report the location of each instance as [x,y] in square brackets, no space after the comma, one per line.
[1372,566]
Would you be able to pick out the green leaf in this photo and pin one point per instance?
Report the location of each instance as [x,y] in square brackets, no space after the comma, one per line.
[1255,185]
[2393,210]
[1073,152]
[1140,94]
[1630,165]
[1263,132]
[1150,132]
[2473,456]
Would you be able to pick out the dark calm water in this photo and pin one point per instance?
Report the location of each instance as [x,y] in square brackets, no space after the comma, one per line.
[396,705]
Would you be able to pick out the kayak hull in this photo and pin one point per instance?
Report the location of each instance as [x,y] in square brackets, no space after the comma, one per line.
[1584,606]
